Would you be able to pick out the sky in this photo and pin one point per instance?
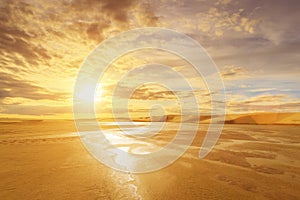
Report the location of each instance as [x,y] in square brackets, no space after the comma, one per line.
[255,45]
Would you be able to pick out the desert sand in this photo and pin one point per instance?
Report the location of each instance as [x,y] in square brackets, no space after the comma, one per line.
[45,159]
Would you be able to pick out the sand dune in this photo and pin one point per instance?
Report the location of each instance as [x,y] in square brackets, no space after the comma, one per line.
[255,118]
[265,118]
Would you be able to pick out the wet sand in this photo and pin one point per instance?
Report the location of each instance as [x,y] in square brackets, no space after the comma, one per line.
[46,160]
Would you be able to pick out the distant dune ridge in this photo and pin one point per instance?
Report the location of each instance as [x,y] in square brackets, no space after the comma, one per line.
[252,118]
[265,118]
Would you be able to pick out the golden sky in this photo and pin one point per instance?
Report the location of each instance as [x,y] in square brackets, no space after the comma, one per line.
[255,44]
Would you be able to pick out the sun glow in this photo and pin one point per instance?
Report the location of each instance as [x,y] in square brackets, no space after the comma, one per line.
[98,93]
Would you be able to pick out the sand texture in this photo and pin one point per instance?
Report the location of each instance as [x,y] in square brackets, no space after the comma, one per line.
[46,160]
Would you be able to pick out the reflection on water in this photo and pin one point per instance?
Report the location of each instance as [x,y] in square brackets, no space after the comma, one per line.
[134,137]
[140,146]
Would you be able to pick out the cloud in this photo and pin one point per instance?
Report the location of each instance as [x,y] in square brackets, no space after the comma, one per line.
[11,86]
[262,90]
[153,93]
[261,35]
[212,19]
[266,99]
[43,43]
[233,72]
[262,103]
[118,10]
[35,109]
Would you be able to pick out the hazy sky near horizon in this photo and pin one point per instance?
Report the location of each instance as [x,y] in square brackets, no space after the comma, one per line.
[255,44]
